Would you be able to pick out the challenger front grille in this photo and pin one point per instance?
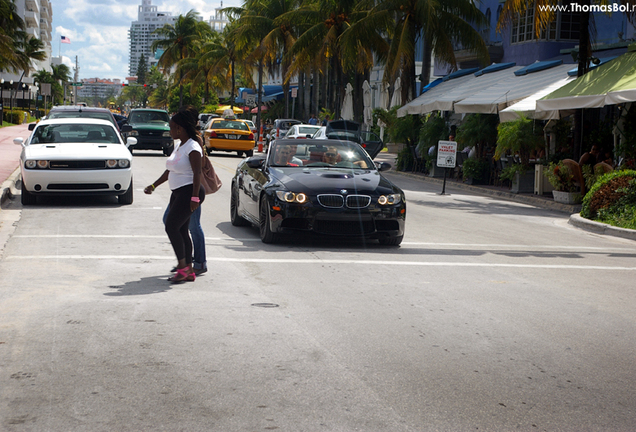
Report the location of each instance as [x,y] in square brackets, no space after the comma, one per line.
[78,165]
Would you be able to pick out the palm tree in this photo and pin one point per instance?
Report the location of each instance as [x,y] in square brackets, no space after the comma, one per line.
[10,24]
[178,41]
[440,25]
[267,20]
[61,75]
[326,21]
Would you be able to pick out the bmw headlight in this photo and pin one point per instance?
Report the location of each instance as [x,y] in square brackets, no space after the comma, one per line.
[166,134]
[391,199]
[291,197]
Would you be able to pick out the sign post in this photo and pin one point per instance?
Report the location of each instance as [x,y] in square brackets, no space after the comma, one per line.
[446,158]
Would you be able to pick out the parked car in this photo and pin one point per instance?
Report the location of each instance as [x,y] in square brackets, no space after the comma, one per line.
[352,131]
[150,127]
[228,135]
[204,118]
[80,111]
[321,133]
[251,125]
[280,128]
[301,131]
[326,187]
[75,156]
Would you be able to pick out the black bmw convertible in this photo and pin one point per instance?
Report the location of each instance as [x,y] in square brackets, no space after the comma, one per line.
[325,187]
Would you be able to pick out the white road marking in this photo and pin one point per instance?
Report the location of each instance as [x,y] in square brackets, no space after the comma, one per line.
[320,261]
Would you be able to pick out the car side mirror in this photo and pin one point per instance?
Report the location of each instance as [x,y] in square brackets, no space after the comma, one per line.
[255,162]
[383,166]
[18,141]
[131,141]
[32,126]
[126,128]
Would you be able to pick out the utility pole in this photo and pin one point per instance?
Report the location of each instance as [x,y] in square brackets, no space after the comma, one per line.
[75,80]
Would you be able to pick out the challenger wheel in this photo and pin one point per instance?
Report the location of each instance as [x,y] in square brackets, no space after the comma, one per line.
[27,198]
[126,198]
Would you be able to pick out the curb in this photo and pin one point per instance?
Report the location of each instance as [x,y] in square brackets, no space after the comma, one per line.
[9,186]
[601,228]
[521,198]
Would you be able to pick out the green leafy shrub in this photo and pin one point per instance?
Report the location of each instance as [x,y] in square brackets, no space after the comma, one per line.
[404,160]
[613,194]
[476,169]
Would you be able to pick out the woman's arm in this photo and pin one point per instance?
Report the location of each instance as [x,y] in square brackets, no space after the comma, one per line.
[163,178]
[195,163]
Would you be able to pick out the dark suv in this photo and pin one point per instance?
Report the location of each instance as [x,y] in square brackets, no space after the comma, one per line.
[352,131]
[150,127]
[79,111]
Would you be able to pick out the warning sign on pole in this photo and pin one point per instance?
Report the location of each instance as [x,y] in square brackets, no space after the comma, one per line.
[446,154]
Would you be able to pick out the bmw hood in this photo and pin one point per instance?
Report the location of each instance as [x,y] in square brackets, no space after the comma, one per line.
[332,180]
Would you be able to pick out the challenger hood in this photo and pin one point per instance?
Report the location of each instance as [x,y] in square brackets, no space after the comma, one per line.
[76,151]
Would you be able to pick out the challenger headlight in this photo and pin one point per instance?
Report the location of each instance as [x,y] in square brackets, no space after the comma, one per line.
[31,164]
[390,199]
[111,163]
[43,164]
[166,134]
[117,163]
[292,197]
[123,163]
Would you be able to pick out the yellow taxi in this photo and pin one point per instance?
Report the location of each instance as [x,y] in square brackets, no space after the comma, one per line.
[228,135]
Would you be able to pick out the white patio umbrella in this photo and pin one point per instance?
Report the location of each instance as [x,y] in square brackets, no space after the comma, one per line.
[384,95]
[347,103]
[396,99]
[366,100]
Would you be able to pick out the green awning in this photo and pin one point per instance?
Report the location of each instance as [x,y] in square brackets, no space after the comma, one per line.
[608,84]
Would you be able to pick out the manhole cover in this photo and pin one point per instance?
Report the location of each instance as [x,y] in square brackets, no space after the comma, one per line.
[265,305]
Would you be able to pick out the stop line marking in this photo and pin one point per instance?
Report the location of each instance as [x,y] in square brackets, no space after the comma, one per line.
[320,261]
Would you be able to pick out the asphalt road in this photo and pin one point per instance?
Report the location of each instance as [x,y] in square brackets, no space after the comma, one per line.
[491,316]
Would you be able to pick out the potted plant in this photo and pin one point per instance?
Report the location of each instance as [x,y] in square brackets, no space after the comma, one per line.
[433,130]
[475,171]
[563,180]
[518,137]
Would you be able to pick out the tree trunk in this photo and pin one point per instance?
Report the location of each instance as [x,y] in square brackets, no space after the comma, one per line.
[233,85]
[425,74]
[300,96]
[585,52]
[307,95]
[259,100]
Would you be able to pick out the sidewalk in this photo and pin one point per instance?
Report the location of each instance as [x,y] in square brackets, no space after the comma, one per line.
[542,201]
[10,156]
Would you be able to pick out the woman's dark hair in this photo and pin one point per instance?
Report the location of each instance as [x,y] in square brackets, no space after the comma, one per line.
[187,118]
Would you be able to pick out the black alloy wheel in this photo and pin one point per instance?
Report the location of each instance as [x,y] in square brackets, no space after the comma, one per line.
[264,220]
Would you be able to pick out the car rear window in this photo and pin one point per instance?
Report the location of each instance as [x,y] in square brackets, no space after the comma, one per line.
[229,124]
[287,124]
[74,133]
[307,130]
[82,114]
[149,117]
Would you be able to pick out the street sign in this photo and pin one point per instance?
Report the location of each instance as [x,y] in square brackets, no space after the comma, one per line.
[294,92]
[77,84]
[250,100]
[45,89]
[446,152]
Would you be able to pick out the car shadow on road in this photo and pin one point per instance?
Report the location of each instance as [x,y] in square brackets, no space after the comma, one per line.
[144,286]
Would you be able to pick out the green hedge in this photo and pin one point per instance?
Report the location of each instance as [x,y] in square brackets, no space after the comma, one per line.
[14,117]
[612,199]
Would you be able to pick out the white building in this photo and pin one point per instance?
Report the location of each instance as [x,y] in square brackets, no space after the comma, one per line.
[38,17]
[92,88]
[219,20]
[141,34]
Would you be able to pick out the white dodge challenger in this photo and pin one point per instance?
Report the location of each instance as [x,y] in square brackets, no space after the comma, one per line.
[75,156]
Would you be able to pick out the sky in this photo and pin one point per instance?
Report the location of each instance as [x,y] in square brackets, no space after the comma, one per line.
[98,31]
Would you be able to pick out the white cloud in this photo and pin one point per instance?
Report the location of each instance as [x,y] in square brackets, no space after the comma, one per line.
[98,30]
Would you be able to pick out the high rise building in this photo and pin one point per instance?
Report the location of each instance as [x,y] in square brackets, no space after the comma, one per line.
[37,16]
[141,34]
